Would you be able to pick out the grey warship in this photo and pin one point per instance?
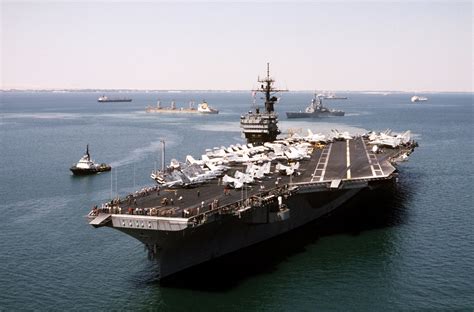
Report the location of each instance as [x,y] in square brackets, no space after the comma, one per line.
[315,110]
[243,194]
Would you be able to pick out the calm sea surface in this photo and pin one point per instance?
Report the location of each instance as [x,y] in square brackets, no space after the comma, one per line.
[411,250]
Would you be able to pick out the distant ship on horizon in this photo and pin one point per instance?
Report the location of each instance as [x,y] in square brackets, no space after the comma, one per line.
[104,99]
[417,98]
[331,96]
[202,108]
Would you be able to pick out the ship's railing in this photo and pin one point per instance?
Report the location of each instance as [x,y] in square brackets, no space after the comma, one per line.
[114,206]
[147,211]
[195,215]
[345,183]
[253,202]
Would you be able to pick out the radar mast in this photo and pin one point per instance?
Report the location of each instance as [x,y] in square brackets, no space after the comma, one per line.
[267,88]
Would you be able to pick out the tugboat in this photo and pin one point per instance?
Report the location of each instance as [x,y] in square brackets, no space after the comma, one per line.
[86,166]
[204,108]
[315,110]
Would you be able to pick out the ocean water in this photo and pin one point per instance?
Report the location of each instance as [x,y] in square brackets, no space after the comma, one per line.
[412,250]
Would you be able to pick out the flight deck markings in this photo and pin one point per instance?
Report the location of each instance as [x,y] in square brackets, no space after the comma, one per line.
[323,160]
[348,159]
[377,164]
[368,158]
[373,161]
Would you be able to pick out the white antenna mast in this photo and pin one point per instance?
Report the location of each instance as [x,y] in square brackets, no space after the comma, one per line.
[162,155]
[111,184]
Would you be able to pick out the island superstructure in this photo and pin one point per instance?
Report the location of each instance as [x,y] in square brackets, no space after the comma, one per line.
[260,127]
[236,196]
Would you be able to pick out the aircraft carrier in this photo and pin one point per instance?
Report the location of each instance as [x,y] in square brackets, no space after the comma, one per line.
[240,195]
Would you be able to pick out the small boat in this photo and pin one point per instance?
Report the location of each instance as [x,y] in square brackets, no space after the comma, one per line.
[104,99]
[206,109]
[417,98]
[86,166]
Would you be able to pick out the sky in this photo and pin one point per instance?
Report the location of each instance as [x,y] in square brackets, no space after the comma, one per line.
[342,45]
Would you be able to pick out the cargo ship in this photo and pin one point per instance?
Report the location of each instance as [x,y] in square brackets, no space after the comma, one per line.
[203,108]
[236,196]
[104,99]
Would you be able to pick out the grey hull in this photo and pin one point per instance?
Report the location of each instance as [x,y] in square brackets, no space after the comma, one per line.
[177,251]
[312,115]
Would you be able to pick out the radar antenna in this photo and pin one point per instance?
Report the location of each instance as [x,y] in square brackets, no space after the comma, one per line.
[267,88]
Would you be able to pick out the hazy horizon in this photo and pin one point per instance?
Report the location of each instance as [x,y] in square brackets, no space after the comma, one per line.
[341,46]
[94,90]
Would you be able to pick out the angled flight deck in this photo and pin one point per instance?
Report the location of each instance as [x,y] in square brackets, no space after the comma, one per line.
[349,159]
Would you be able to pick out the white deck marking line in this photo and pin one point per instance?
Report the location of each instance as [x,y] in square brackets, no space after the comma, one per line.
[323,155]
[380,168]
[325,163]
[323,159]
[314,175]
[368,158]
[348,159]
[373,161]
[377,164]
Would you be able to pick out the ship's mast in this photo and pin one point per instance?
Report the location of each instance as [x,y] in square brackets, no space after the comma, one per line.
[267,88]
[87,152]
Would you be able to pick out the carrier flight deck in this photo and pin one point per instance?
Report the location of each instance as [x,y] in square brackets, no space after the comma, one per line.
[332,165]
